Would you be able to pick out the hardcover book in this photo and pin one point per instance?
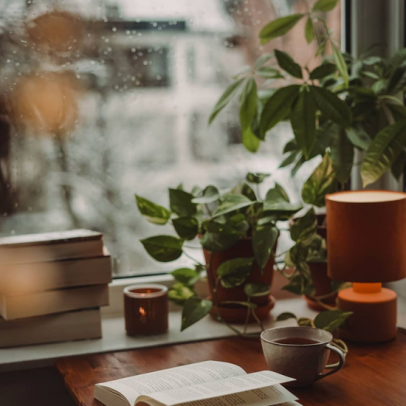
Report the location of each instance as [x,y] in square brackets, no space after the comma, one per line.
[50,275]
[50,246]
[69,326]
[53,301]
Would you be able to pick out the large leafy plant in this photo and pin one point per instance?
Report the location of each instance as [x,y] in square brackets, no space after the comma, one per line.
[220,220]
[342,105]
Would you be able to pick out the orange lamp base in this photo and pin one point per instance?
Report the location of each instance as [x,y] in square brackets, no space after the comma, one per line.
[374,313]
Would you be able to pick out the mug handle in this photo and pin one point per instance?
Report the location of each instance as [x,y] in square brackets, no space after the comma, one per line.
[336,367]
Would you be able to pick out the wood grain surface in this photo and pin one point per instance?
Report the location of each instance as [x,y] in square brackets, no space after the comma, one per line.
[374,375]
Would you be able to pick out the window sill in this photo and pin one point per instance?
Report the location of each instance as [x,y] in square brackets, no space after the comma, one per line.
[115,338]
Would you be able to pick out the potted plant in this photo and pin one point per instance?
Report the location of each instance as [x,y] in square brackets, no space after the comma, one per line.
[308,258]
[343,105]
[238,233]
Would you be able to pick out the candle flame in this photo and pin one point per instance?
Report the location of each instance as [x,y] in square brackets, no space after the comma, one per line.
[142,311]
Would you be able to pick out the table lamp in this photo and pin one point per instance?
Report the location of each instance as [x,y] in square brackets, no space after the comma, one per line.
[366,245]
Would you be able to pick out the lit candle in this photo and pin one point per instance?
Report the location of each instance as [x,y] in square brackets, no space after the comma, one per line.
[146,309]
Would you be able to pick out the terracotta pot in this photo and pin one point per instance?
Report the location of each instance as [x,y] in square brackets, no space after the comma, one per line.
[322,284]
[237,315]
[242,249]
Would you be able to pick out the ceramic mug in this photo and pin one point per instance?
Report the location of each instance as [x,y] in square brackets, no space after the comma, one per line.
[300,353]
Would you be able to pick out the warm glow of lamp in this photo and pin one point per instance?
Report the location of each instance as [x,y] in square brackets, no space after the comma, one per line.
[366,244]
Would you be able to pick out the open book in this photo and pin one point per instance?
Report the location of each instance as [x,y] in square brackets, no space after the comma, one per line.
[209,383]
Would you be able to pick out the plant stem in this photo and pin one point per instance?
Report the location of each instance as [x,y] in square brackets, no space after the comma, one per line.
[248,315]
[194,260]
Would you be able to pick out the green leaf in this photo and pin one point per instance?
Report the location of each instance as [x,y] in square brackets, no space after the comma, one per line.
[341,65]
[263,243]
[297,165]
[289,159]
[235,271]
[278,27]
[194,310]
[218,242]
[383,152]
[256,289]
[399,57]
[322,71]
[179,293]
[287,63]
[241,71]
[181,202]
[323,139]
[286,316]
[245,304]
[154,213]
[268,72]
[331,320]
[262,60]
[186,227]
[397,80]
[331,106]
[304,322]
[324,5]
[209,195]
[248,112]
[231,203]
[309,31]
[220,237]
[320,183]
[342,155]
[277,194]
[295,285]
[278,201]
[256,177]
[398,167]
[247,191]
[358,137]
[290,146]
[303,120]
[225,99]
[277,107]
[163,248]
[304,228]
[186,276]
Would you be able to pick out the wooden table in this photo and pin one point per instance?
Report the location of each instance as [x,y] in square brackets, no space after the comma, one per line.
[374,375]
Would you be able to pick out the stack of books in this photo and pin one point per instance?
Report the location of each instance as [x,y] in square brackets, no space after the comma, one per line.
[52,286]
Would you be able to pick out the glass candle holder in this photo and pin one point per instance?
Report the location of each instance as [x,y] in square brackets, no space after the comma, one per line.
[146,309]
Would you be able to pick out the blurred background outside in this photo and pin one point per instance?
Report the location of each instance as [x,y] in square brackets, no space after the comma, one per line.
[102,99]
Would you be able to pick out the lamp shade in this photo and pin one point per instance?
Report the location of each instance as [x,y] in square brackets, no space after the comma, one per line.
[366,236]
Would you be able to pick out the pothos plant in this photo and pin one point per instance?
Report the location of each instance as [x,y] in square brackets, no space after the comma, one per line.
[343,105]
[219,220]
[308,247]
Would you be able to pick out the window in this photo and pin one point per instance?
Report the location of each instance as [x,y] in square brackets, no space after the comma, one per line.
[120,106]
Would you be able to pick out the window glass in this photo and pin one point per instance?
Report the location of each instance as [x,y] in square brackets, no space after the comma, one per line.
[112,97]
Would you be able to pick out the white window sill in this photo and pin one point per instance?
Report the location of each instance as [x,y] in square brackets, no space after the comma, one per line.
[116,339]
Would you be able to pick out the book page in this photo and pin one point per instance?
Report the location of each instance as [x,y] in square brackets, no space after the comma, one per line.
[272,395]
[173,379]
[217,388]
